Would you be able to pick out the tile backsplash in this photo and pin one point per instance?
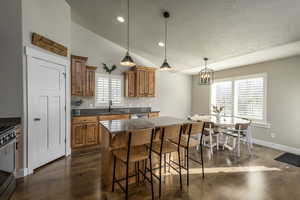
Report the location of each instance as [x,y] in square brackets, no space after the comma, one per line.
[89,102]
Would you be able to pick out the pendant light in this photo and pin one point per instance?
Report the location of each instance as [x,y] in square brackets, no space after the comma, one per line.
[127,60]
[165,66]
[206,75]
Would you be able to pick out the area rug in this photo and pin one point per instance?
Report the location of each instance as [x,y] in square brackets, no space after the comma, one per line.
[289,158]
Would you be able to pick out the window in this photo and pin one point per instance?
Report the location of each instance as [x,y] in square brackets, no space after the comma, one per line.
[249,98]
[222,96]
[108,88]
[242,97]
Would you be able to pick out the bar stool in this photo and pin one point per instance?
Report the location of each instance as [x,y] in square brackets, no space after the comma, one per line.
[188,142]
[134,152]
[163,146]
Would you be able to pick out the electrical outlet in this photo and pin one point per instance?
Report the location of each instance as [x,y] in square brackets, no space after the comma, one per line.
[273,135]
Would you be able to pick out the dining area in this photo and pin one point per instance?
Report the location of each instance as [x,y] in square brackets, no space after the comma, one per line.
[139,151]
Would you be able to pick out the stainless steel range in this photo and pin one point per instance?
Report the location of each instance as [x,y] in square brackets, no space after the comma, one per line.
[7,160]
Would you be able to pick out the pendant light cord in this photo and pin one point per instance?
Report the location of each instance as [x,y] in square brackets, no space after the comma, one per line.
[166,37]
[128,6]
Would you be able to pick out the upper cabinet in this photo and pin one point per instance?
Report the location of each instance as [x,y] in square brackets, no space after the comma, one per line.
[82,77]
[140,82]
[90,81]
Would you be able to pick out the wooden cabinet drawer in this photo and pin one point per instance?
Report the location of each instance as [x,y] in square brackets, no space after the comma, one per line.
[113,117]
[153,114]
[91,119]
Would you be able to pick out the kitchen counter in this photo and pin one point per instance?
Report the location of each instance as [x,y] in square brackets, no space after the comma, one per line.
[114,111]
[115,127]
[113,136]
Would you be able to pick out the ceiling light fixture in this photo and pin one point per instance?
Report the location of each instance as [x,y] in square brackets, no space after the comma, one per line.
[165,66]
[161,44]
[127,60]
[206,75]
[121,19]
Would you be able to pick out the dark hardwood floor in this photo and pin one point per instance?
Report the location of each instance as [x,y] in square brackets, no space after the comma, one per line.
[259,177]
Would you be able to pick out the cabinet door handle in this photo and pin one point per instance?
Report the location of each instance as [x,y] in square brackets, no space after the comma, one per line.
[37,119]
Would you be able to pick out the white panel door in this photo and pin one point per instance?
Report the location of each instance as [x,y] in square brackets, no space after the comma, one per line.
[46,112]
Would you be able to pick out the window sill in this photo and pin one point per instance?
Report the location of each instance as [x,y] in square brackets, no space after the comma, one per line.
[261,125]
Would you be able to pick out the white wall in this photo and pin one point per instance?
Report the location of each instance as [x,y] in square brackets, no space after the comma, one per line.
[48,18]
[11,58]
[283,99]
[173,90]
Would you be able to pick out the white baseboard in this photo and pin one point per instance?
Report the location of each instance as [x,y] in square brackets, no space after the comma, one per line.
[277,146]
[22,172]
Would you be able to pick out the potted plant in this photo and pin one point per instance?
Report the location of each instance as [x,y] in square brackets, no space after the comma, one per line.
[218,110]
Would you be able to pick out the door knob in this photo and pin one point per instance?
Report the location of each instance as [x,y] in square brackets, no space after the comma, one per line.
[37,119]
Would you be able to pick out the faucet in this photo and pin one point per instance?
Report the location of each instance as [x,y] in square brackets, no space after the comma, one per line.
[110,105]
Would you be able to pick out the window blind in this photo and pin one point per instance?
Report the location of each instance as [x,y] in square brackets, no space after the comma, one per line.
[222,96]
[116,91]
[249,98]
[102,90]
[108,88]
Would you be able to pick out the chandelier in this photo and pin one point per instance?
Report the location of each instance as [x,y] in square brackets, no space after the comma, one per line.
[206,75]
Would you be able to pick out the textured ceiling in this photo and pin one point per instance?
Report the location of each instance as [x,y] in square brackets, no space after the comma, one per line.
[217,29]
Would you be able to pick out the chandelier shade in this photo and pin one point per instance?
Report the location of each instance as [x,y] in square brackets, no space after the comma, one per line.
[127,61]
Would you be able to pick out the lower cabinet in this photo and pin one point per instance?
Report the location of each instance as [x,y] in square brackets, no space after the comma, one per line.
[153,114]
[78,135]
[91,135]
[84,131]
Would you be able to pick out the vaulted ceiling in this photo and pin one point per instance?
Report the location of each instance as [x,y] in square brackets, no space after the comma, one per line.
[220,30]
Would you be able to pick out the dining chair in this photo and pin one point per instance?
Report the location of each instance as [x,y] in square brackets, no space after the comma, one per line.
[187,142]
[164,146]
[212,134]
[240,132]
[135,151]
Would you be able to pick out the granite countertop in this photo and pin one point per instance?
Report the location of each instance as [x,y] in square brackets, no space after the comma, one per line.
[114,111]
[119,126]
[10,121]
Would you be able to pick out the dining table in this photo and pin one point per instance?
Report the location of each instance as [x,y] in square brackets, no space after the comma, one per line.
[223,123]
[220,121]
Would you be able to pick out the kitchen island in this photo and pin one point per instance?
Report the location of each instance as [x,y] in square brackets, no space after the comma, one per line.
[113,136]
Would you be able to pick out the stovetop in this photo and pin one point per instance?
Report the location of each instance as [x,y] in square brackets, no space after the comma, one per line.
[5,128]
[7,135]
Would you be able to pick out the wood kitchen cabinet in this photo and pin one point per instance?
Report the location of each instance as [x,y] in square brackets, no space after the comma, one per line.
[140,82]
[78,135]
[82,77]
[90,81]
[130,84]
[85,131]
[78,78]
[92,134]
[153,114]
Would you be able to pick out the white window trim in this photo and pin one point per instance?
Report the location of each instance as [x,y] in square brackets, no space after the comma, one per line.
[259,123]
[122,89]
